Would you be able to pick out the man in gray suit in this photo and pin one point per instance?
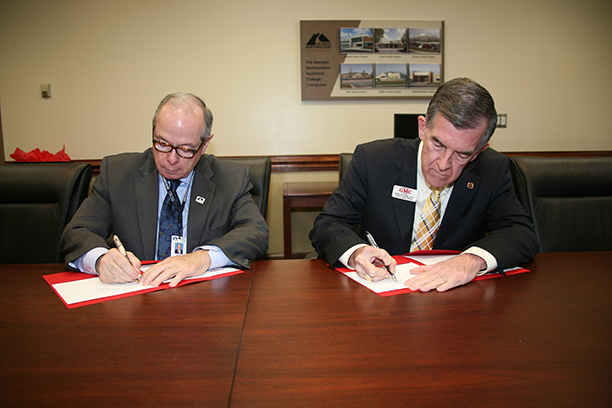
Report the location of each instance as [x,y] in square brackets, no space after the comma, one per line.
[219,224]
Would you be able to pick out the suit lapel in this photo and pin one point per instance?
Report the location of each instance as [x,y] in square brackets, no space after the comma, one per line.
[464,192]
[146,187]
[404,210]
[203,188]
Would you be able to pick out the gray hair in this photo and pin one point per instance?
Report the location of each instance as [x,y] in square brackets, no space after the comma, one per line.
[465,104]
[186,101]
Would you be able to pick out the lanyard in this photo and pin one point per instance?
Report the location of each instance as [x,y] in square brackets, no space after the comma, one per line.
[176,202]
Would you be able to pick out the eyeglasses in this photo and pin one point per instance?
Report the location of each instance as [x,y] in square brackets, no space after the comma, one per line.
[181,151]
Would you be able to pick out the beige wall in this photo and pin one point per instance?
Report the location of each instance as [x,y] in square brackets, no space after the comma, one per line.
[547,64]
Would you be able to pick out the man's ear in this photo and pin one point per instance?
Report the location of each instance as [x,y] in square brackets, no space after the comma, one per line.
[206,144]
[422,123]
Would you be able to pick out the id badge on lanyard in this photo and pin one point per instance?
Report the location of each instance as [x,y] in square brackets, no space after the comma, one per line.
[178,245]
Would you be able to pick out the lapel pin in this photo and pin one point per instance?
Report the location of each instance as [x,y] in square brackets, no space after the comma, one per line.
[200,200]
[470,185]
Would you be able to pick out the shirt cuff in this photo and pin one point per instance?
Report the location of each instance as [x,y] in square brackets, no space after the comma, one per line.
[344,258]
[87,263]
[486,256]
[218,259]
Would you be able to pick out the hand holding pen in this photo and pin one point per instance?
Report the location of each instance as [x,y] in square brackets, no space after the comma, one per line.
[112,268]
[375,245]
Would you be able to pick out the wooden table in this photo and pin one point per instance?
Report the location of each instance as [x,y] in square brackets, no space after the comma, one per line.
[168,348]
[295,333]
[306,195]
[544,338]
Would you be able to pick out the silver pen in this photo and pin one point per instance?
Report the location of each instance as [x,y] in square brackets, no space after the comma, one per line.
[121,249]
[375,245]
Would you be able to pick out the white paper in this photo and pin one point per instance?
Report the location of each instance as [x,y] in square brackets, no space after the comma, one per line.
[89,289]
[402,273]
[430,259]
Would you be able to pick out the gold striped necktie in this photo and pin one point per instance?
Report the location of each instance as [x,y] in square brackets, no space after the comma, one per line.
[430,221]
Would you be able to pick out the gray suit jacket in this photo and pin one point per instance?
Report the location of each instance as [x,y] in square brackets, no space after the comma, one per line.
[483,209]
[124,201]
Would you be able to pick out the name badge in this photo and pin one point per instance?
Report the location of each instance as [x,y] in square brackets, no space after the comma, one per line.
[178,245]
[404,193]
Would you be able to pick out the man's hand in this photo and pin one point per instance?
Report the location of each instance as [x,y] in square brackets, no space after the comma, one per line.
[179,267]
[446,275]
[369,261]
[113,267]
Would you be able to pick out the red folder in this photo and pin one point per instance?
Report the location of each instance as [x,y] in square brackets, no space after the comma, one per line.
[74,276]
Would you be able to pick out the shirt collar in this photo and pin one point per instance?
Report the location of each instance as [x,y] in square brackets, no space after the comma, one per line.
[187,179]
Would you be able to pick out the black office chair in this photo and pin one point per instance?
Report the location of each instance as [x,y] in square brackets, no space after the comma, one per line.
[36,202]
[569,199]
[345,159]
[261,170]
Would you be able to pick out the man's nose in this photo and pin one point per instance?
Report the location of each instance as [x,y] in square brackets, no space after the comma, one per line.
[445,160]
[173,157]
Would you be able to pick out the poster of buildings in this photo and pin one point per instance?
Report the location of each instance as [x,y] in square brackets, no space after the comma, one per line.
[371,59]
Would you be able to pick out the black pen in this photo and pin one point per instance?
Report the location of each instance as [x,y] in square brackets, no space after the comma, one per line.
[501,271]
[373,243]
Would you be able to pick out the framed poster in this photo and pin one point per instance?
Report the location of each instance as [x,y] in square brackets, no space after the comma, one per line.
[371,59]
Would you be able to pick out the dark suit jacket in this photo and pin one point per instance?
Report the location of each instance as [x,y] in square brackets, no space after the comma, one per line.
[483,209]
[124,201]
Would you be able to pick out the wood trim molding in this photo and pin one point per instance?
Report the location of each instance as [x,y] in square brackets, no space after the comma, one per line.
[330,162]
[319,162]
[562,154]
[280,164]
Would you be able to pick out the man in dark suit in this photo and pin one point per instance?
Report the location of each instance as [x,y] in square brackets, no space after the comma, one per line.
[393,188]
[216,221]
